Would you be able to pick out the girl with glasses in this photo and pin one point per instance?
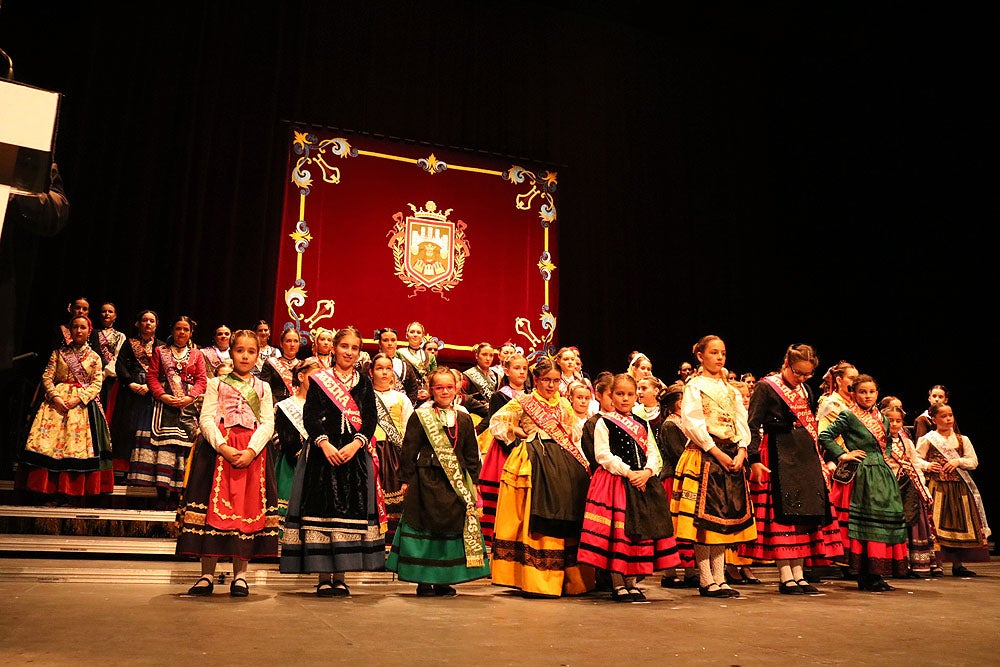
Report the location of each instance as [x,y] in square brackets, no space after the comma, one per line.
[792,509]
[543,491]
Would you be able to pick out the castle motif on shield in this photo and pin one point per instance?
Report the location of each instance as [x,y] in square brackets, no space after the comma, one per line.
[428,250]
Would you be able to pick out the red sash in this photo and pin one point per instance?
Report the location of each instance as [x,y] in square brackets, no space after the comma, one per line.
[338,392]
[284,370]
[544,416]
[874,424]
[797,404]
[630,426]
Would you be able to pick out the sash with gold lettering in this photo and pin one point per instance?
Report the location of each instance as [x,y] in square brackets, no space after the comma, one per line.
[797,403]
[461,483]
[337,392]
[630,426]
[284,370]
[874,424]
[547,421]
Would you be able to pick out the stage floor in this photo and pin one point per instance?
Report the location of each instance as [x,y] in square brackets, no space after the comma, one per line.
[82,611]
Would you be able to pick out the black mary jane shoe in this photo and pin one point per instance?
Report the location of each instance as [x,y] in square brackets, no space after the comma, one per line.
[790,588]
[807,588]
[621,594]
[198,589]
[937,572]
[444,591]
[425,591]
[874,584]
[733,593]
[635,595]
[747,579]
[239,588]
[707,592]
[961,571]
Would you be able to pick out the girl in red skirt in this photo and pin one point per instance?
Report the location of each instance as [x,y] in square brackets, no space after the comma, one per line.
[231,501]
[627,529]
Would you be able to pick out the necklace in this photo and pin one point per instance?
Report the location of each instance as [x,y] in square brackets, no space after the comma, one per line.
[451,433]
[350,379]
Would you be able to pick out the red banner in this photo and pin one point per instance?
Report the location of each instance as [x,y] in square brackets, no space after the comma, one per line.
[380,233]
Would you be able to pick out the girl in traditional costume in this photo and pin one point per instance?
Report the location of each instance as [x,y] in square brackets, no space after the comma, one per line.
[133,416]
[627,529]
[962,530]
[279,370]
[921,535]
[292,435]
[263,331]
[230,507]
[439,541]
[405,377]
[68,451]
[710,503]
[322,348]
[394,410]
[421,361]
[482,381]
[336,521]
[176,377]
[671,442]
[876,530]
[795,521]
[107,342]
[924,423]
[496,453]
[542,494]
[639,366]
[218,360]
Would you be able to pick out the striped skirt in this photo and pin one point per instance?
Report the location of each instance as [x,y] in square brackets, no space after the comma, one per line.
[534,563]
[687,511]
[489,488]
[604,542]
[427,558]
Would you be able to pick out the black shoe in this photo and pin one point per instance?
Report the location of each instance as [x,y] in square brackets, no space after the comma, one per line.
[198,589]
[238,588]
[747,579]
[621,594]
[913,575]
[807,588]
[670,582]
[691,582]
[874,583]
[937,572]
[425,590]
[706,592]
[635,595]
[961,571]
[733,593]
[790,588]
[444,591]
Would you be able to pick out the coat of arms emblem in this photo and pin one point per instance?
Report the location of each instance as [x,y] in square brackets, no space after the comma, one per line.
[428,249]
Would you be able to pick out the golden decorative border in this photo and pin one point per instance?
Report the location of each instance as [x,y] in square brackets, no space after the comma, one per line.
[315,153]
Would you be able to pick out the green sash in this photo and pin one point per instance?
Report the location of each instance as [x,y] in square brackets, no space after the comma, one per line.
[461,482]
[245,387]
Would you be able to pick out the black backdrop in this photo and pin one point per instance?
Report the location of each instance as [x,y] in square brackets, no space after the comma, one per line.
[775,174]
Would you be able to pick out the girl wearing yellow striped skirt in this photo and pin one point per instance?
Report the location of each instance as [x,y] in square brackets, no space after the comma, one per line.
[230,507]
[543,490]
[711,503]
[439,541]
[627,528]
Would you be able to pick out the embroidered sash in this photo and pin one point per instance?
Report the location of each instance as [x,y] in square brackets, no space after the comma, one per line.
[418,360]
[387,423]
[284,369]
[939,443]
[337,392]
[460,481]
[482,381]
[106,345]
[875,425]
[66,334]
[552,425]
[897,449]
[293,410]
[797,403]
[212,356]
[630,426]
[141,355]
[80,375]
[172,368]
[247,391]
